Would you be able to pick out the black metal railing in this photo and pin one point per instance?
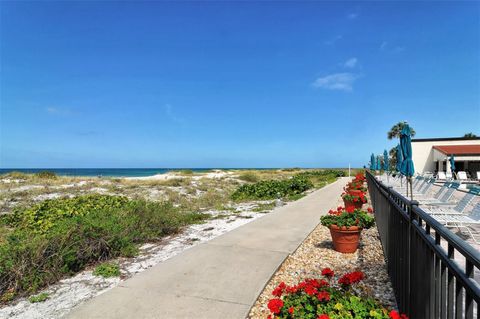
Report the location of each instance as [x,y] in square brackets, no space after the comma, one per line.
[432,269]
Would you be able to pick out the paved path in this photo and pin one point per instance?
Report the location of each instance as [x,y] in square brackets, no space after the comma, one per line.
[221,278]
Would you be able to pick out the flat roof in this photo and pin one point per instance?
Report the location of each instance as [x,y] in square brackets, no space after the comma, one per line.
[445,139]
[464,150]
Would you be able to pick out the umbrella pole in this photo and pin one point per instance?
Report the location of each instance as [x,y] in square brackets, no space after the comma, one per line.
[411,188]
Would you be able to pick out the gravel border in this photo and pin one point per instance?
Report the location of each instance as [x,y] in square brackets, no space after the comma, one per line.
[316,252]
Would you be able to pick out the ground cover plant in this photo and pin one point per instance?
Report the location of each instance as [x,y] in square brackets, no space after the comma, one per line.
[327,298]
[107,270]
[62,236]
[291,188]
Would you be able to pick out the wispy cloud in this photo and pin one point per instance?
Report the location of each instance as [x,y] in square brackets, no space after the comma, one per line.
[336,81]
[171,114]
[350,63]
[62,111]
[385,46]
[353,15]
[333,40]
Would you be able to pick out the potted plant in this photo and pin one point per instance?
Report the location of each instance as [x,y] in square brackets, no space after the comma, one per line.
[354,199]
[346,225]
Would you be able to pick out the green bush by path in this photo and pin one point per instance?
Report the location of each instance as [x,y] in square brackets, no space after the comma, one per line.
[62,236]
[272,189]
[107,270]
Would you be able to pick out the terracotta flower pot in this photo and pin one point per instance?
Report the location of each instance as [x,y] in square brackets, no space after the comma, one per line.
[352,204]
[345,240]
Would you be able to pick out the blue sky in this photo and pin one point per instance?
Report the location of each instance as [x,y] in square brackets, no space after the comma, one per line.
[231,84]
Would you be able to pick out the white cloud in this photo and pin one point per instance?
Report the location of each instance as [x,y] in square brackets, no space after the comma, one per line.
[336,81]
[333,40]
[352,15]
[59,111]
[350,63]
[385,46]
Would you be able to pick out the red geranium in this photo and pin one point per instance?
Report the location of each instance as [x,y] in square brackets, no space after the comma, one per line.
[275,305]
[327,272]
[291,310]
[323,296]
[323,317]
[277,292]
[351,278]
[370,210]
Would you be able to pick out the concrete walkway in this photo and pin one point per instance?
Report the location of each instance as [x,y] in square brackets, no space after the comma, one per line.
[221,278]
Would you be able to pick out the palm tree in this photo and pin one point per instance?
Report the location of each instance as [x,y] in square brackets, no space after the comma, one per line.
[397,129]
[470,135]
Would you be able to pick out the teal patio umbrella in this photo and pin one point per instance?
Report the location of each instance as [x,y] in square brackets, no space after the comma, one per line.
[386,165]
[399,158]
[372,162]
[407,167]
[452,165]
[379,163]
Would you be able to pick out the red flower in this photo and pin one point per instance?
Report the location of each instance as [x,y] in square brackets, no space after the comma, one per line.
[323,296]
[323,317]
[351,278]
[277,292]
[275,305]
[350,209]
[290,310]
[370,210]
[310,290]
[327,272]
[394,315]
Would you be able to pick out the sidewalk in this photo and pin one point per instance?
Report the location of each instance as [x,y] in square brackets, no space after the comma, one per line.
[221,278]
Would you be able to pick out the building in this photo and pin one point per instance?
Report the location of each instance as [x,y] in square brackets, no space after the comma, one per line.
[433,154]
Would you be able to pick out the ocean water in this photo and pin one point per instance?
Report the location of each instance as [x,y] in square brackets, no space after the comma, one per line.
[107,172]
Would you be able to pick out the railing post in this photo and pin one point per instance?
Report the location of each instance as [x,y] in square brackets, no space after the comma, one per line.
[410,264]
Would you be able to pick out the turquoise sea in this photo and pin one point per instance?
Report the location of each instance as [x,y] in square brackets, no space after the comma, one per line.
[109,172]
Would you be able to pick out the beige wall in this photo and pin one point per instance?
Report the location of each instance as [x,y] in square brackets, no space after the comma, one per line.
[422,153]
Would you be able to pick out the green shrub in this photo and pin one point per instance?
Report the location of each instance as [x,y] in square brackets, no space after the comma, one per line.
[186,172]
[46,175]
[273,188]
[42,216]
[49,241]
[248,177]
[39,298]
[107,270]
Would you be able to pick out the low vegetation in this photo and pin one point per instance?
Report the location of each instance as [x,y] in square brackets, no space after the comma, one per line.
[290,188]
[107,270]
[39,298]
[62,236]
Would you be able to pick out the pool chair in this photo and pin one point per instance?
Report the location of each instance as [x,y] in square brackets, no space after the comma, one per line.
[478,176]
[462,221]
[462,176]
[442,196]
[441,176]
[421,190]
[458,208]
[449,175]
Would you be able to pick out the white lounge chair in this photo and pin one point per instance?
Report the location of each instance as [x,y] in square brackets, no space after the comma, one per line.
[441,176]
[459,208]
[462,176]
[442,196]
[462,221]
[449,175]
[478,175]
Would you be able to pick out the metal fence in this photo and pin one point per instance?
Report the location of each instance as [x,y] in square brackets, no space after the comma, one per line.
[432,269]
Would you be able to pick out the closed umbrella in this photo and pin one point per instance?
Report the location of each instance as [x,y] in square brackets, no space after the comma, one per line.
[386,165]
[379,164]
[407,167]
[399,158]
[452,165]
[372,162]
